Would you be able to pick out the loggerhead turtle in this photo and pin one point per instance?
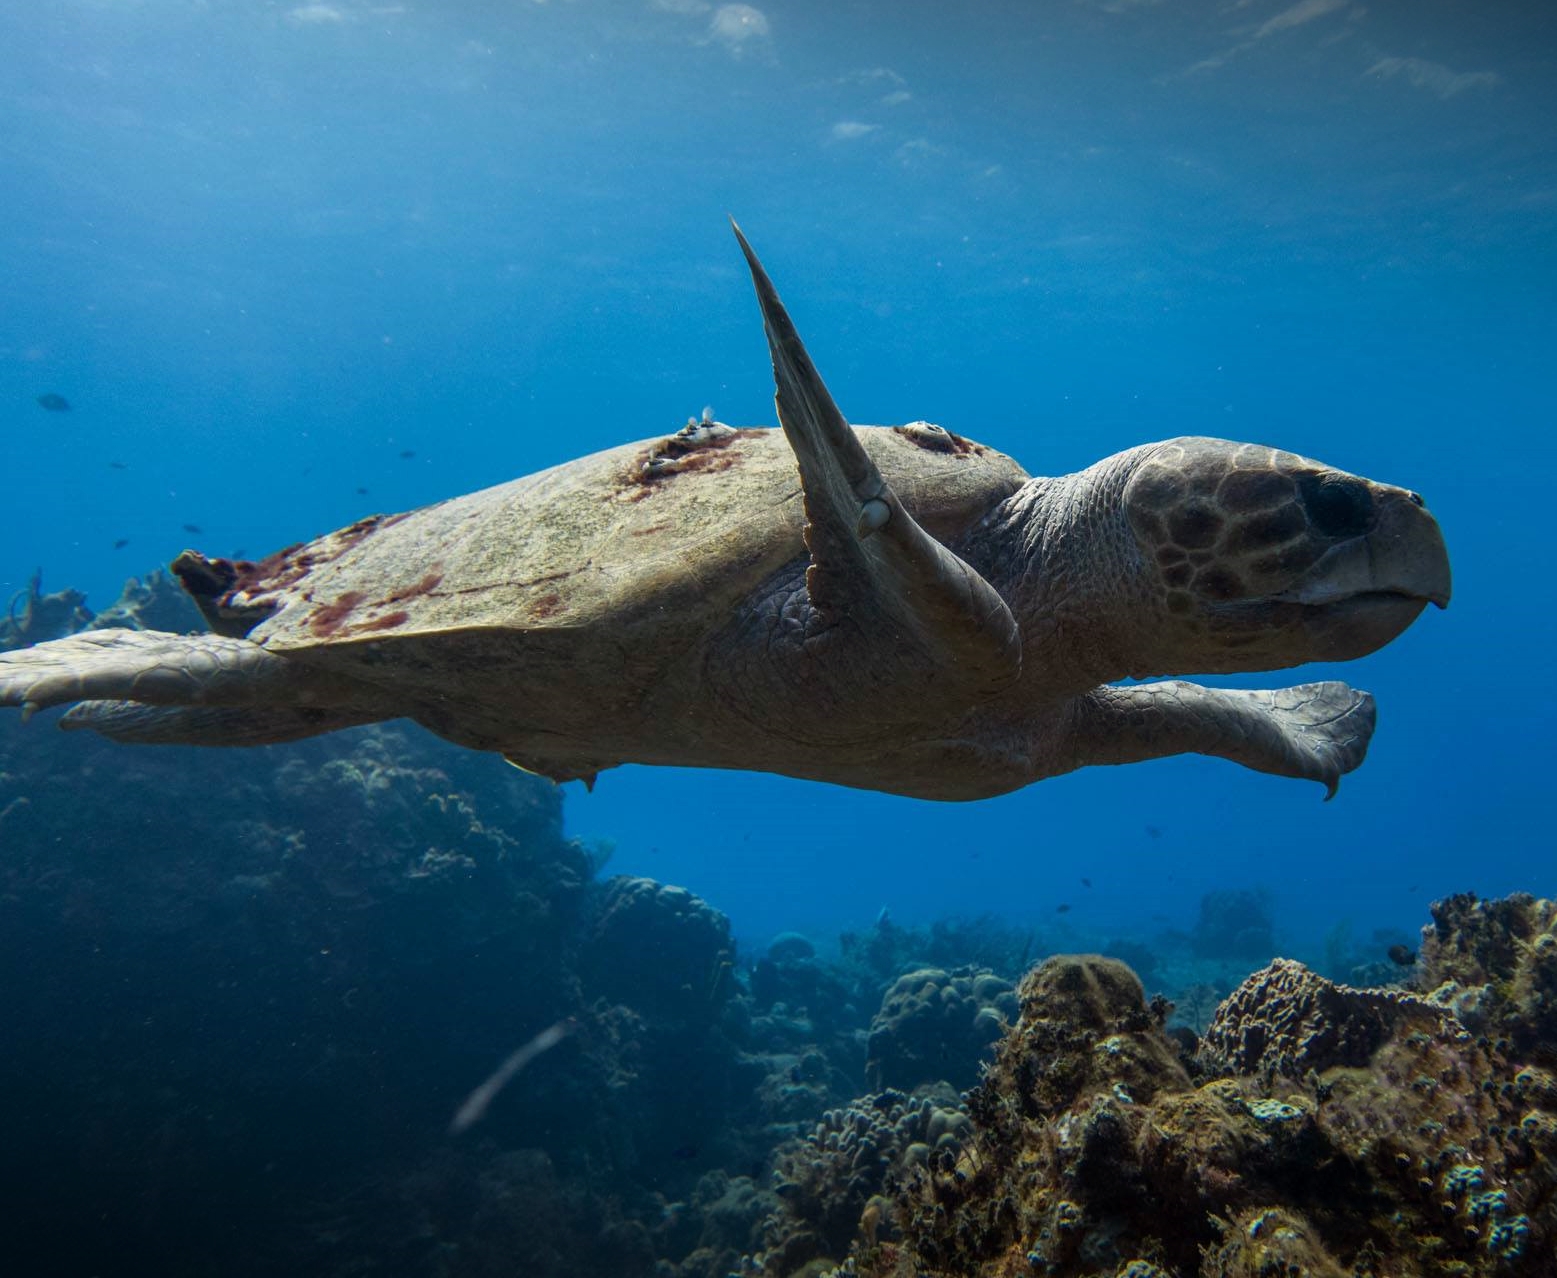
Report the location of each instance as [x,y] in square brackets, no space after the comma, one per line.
[897,609]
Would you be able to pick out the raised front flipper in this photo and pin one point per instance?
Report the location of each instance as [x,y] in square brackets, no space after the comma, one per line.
[921,611]
[1316,731]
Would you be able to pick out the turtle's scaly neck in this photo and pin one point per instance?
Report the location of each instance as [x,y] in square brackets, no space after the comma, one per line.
[1061,553]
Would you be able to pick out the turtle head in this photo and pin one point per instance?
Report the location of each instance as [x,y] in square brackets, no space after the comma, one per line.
[1258,558]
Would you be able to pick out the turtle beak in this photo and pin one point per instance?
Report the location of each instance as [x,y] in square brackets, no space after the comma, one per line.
[1402,556]
[1364,592]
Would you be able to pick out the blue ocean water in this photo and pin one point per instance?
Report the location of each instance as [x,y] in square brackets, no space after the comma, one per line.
[275,253]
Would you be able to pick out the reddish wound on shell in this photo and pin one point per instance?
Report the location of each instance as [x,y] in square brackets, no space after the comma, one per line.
[425,586]
[387,622]
[327,619]
[547,605]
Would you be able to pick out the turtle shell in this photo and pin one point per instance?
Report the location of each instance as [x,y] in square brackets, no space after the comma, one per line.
[691,523]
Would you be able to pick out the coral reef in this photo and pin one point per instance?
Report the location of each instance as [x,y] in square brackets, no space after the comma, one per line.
[1235,923]
[1290,1020]
[237,979]
[659,949]
[886,950]
[32,616]
[791,979]
[158,602]
[832,1182]
[1327,1131]
[1495,964]
[246,992]
[935,1025]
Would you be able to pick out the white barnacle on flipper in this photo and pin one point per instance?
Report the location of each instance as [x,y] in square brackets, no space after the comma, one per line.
[873,517]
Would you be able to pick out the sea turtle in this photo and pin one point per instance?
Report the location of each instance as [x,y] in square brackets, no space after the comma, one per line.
[893,608]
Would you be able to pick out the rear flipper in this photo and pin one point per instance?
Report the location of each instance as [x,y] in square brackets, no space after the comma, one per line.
[149,666]
[134,724]
[150,686]
[1317,731]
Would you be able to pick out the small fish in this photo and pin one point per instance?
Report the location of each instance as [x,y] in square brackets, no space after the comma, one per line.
[1062,909]
[193,528]
[685,1153]
[54,403]
[121,543]
[1086,883]
[1154,832]
[1402,955]
[362,492]
[117,466]
[407,453]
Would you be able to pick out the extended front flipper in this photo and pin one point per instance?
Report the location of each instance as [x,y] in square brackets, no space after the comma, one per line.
[1316,731]
[876,579]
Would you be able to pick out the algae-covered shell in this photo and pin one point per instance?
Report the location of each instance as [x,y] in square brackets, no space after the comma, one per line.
[689,523]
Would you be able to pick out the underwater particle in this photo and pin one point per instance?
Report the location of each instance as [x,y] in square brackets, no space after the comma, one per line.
[121,543]
[1402,955]
[1154,832]
[54,403]
[474,1108]
[193,528]
[362,492]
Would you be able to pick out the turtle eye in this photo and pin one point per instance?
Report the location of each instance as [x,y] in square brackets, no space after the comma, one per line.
[1339,506]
